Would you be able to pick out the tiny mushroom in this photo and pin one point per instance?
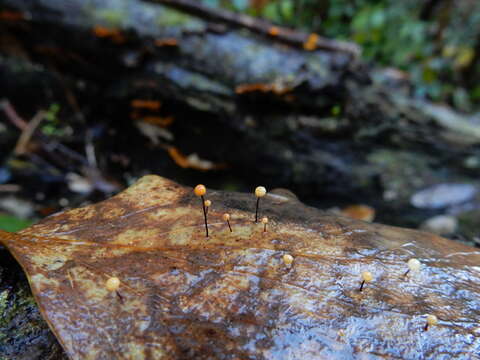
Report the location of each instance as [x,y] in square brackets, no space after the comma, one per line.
[287,259]
[432,320]
[264,222]
[226,217]
[366,277]
[260,192]
[200,190]
[413,266]
[112,284]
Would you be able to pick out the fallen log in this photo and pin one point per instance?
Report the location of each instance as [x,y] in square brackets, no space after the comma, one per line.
[315,119]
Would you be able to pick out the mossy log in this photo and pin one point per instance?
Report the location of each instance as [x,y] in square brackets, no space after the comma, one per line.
[316,119]
[24,335]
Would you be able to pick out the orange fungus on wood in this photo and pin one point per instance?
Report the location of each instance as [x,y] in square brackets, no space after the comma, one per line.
[11,15]
[265,88]
[192,161]
[153,105]
[162,121]
[274,31]
[104,32]
[311,43]
[166,42]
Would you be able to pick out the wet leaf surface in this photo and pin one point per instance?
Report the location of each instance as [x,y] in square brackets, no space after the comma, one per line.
[231,295]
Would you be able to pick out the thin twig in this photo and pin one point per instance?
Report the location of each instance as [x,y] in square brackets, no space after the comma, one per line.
[48,144]
[12,115]
[10,187]
[27,133]
[90,150]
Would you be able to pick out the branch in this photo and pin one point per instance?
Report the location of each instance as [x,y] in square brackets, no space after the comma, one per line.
[262,27]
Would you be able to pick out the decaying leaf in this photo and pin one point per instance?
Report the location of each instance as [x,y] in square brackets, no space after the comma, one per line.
[238,295]
[192,161]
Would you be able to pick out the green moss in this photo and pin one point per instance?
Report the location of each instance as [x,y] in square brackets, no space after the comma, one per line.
[173,18]
[469,225]
[111,17]
[401,172]
[3,307]
[336,110]
[19,305]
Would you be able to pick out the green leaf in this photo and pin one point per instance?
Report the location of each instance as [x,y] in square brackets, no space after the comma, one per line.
[12,223]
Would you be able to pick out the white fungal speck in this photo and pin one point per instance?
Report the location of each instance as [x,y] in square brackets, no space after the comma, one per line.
[367,276]
[414,264]
[288,259]
[112,284]
[432,320]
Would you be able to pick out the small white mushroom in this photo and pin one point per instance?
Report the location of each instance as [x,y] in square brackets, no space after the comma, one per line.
[112,284]
[287,259]
[432,320]
[414,265]
[264,222]
[366,278]
[260,192]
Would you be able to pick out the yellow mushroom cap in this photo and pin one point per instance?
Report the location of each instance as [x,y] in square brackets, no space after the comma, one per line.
[414,264]
[112,284]
[264,220]
[208,203]
[432,320]
[287,259]
[260,191]
[200,190]
[226,217]
[367,276]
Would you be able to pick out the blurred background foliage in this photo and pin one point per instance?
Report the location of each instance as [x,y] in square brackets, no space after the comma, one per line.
[435,42]
[13,223]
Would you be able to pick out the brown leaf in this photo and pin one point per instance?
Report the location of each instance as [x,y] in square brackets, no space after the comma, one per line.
[235,295]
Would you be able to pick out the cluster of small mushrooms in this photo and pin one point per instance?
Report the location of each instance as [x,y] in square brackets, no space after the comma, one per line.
[200,190]
[414,265]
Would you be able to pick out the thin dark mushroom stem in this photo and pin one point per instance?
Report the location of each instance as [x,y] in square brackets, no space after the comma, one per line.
[361,285]
[204,214]
[120,297]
